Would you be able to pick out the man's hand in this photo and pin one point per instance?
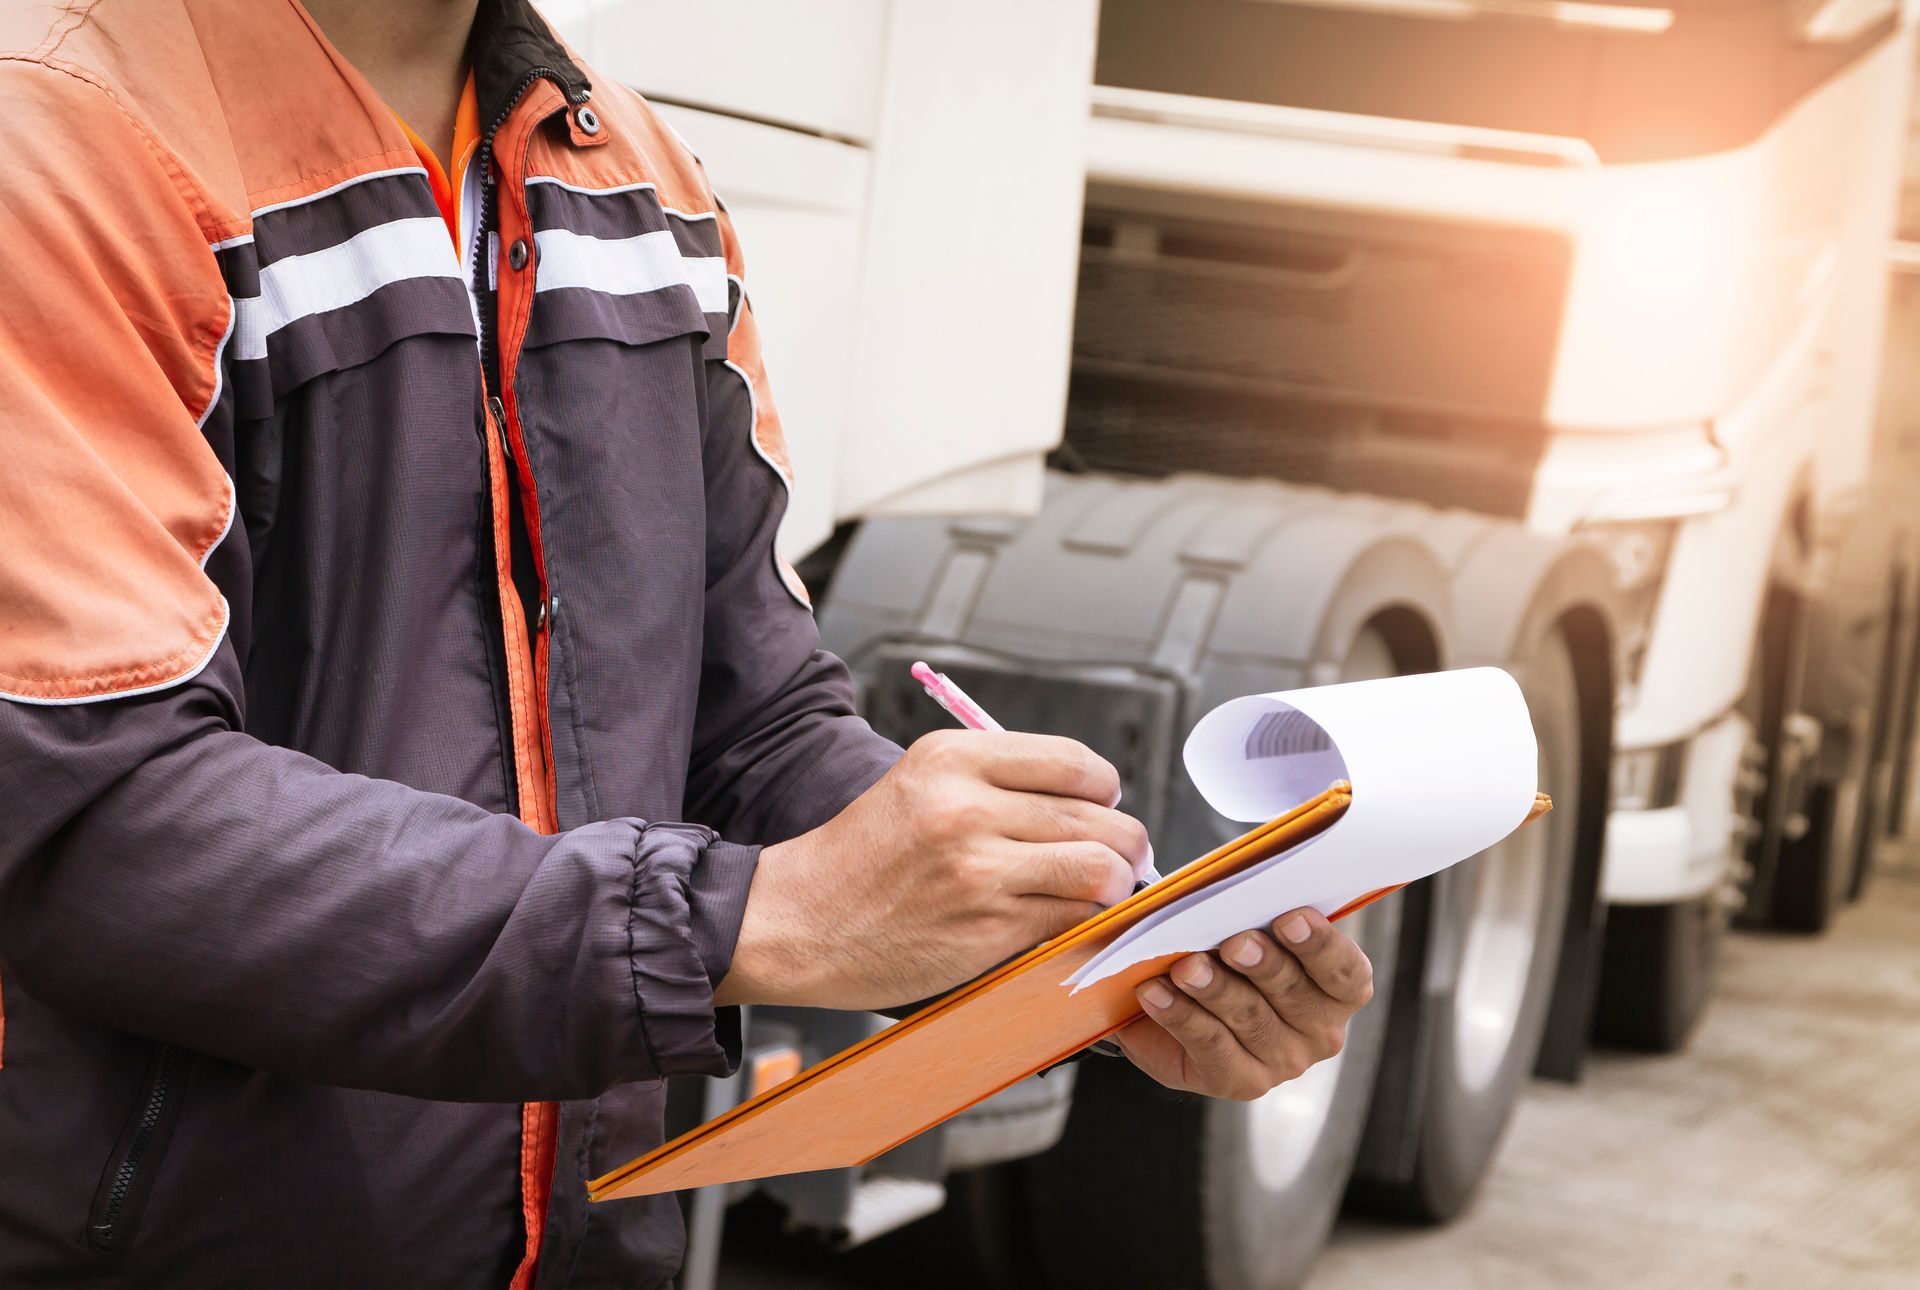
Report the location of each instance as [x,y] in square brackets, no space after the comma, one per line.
[973,848]
[1256,1014]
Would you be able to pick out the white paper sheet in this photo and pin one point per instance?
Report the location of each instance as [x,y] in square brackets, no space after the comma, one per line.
[1442,765]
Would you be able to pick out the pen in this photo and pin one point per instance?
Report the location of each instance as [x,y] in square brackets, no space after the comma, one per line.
[961,707]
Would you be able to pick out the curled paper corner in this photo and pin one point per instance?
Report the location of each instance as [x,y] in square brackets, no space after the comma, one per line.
[1253,757]
[1442,765]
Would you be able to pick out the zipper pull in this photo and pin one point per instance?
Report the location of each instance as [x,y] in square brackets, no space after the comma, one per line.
[498,412]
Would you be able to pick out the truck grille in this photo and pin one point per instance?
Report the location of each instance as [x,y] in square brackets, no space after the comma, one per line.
[1398,357]
[1135,427]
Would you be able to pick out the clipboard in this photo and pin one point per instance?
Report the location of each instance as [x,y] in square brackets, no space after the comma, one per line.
[1020,1018]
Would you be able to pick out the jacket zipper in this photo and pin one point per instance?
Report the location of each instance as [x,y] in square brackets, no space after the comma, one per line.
[483,158]
[538,1120]
[492,382]
[105,1234]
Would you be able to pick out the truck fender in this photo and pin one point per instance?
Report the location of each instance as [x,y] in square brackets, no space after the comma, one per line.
[1367,560]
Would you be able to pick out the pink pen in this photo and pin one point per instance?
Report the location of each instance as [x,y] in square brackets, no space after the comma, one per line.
[960,705]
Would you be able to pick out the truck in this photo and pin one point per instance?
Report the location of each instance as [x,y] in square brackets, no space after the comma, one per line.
[1142,354]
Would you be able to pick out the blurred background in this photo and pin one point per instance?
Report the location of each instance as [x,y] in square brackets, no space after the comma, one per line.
[1141,354]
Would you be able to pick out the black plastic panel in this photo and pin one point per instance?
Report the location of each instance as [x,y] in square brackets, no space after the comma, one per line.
[1391,356]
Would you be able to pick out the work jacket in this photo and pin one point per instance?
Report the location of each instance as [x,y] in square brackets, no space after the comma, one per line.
[397,676]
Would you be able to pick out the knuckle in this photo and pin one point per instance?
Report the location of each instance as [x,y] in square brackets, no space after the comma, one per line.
[1250,1088]
[1337,978]
[1087,774]
[1281,976]
[1101,874]
[1364,994]
[1070,818]
[1354,976]
[1330,1041]
[1102,780]
[1215,1040]
[1062,862]
[935,750]
[947,817]
[975,813]
[1056,753]
[1255,1021]
[978,811]
[978,877]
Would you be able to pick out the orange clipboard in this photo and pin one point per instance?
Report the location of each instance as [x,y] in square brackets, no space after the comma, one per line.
[964,1048]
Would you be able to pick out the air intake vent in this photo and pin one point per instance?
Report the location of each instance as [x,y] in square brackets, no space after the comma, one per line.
[1395,357]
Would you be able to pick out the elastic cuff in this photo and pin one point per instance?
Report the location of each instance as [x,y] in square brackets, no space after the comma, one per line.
[680,926]
[718,894]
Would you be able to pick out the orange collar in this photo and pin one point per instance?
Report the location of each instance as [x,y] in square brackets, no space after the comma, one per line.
[466,136]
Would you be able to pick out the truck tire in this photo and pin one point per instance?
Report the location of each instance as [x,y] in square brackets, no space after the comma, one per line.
[1241,1194]
[1886,785]
[1658,967]
[1904,691]
[1473,1020]
[1659,970]
[1778,836]
[1816,868]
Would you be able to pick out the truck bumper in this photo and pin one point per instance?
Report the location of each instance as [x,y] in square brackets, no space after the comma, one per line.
[1681,852]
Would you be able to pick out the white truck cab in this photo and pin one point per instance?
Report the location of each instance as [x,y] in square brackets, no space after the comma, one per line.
[906,180]
[1138,354]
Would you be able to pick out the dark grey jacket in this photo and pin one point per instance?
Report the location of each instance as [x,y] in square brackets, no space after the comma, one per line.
[387,643]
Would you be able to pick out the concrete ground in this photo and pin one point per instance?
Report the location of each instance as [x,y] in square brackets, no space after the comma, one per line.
[1782,1149]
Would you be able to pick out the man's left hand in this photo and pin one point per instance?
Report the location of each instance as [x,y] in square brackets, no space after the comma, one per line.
[1254,1014]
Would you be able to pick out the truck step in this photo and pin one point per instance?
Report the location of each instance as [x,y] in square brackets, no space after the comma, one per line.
[882,1204]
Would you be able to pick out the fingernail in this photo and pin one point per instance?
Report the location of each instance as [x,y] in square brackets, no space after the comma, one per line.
[1197,972]
[1246,953]
[1146,865]
[1297,929]
[1155,995]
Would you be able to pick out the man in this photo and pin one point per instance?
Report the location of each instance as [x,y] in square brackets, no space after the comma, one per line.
[400,684]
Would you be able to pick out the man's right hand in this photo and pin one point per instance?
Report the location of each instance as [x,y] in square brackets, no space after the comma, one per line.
[973,848]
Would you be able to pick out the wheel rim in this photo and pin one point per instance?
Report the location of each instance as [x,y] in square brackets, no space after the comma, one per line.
[1509,889]
[1287,1122]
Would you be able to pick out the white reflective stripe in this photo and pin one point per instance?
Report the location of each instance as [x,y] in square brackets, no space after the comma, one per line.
[301,286]
[628,266]
[557,182]
[470,243]
[688,217]
[331,189]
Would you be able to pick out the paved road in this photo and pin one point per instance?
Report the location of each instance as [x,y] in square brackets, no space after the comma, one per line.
[1781,1150]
